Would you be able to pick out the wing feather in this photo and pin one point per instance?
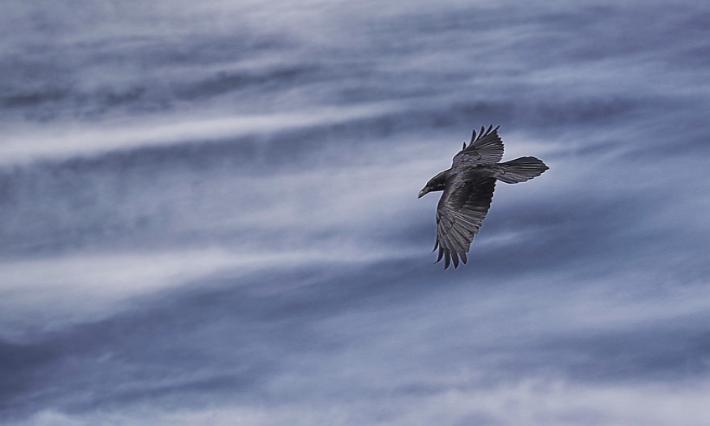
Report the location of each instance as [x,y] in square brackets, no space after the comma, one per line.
[460,213]
[484,148]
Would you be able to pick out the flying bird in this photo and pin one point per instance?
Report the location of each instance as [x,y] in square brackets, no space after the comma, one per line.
[468,190]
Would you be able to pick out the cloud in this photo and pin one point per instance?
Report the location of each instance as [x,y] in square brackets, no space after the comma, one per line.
[208,214]
[525,403]
[62,143]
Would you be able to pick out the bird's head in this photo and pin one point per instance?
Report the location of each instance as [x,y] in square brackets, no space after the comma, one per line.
[437,183]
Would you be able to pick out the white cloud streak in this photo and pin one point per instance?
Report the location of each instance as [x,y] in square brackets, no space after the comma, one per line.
[85,287]
[66,141]
[526,403]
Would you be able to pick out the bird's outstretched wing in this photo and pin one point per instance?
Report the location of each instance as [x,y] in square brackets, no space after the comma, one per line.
[459,215]
[484,148]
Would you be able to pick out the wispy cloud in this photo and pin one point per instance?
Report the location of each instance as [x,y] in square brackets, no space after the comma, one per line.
[526,403]
[208,214]
[72,141]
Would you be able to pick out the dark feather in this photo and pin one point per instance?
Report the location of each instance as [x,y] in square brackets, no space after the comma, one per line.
[485,147]
[460,212]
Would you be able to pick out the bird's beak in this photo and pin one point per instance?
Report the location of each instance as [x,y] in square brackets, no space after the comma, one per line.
[422,193]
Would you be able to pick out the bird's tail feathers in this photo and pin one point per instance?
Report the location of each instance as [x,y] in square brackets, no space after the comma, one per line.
[520,169]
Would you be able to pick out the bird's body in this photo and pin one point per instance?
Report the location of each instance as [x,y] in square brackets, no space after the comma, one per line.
[468,191]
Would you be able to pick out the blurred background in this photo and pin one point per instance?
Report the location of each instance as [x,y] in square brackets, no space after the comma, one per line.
[209,213]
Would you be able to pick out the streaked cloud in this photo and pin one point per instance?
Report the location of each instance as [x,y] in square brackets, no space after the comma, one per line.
[75,141]
[208,214]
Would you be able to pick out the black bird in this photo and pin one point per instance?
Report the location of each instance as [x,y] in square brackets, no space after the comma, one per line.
[468,190]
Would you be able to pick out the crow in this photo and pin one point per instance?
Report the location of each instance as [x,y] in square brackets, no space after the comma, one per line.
[468,190]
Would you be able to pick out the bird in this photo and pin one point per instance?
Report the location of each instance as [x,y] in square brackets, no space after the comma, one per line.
[468,191]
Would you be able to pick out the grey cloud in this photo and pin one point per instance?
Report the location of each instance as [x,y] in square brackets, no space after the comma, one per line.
[585,295]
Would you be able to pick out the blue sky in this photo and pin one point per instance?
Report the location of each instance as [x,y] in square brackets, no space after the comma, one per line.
[209,213]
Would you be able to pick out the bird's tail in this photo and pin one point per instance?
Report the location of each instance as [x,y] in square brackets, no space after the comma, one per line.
[520,169]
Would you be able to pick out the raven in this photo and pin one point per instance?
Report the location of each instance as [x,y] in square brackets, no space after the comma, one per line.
[468,190]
